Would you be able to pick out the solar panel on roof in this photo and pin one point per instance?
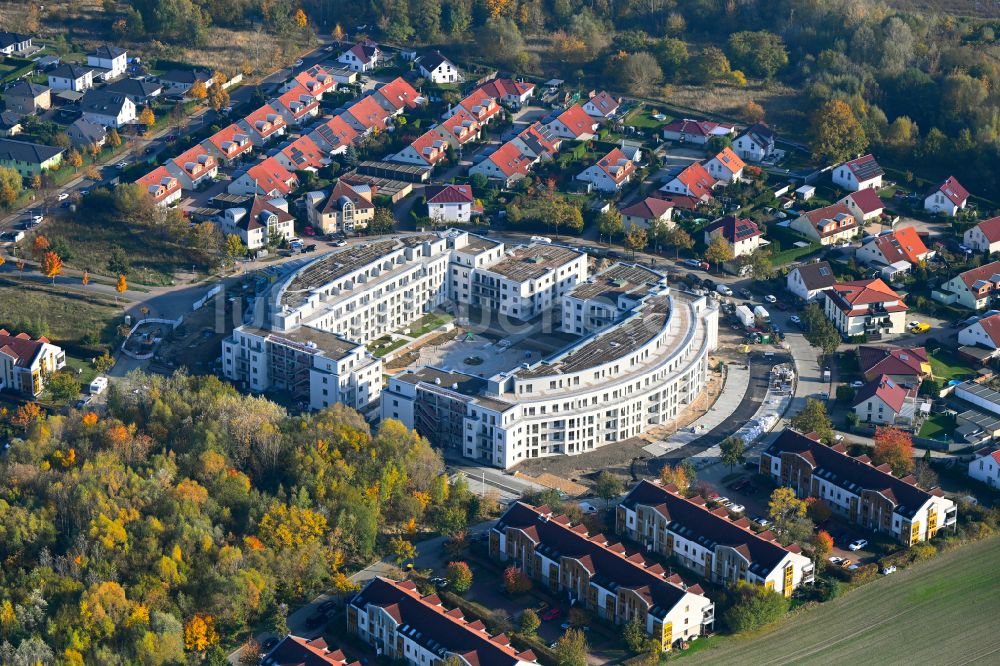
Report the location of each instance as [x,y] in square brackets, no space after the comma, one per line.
[866,169]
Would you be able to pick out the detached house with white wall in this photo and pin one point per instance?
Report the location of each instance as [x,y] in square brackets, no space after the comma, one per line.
[450,203]
[26,363]
[611,173]
[694,181]
[438,69]
[108,109]
[726,167]
[257,224]
[858,174]
[865,307]
[985,466]
[110,58]
[602,106]
[865,205]
[884,402]
[742,235]
[947,197]
[854,488]
[983,333]
[361,57]
[828,225]
[755,143]
[897,250]
[808,281]
[974,289]
[646,212]
[574,123]
[985,236]
[71,77]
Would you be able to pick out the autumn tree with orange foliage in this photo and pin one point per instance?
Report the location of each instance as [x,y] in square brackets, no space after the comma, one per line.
[894,447]
[200,633]
[85,278]
[26,414]
[52,266]
[822,544]
[39,247]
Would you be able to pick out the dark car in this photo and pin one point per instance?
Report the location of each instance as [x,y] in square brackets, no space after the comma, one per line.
[708,283]
[328,605]
[692,278]
[309,248]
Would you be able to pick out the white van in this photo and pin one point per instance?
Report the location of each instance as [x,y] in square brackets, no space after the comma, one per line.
[98,385]
[724,290]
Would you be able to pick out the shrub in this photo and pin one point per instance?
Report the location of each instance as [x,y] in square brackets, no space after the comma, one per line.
[845,393]
[829,589]
[530,621]
[459,576]
[923,551]
[865,573]
[754,608]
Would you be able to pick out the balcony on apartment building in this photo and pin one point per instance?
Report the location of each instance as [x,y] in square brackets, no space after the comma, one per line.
[809,573]
[951,516]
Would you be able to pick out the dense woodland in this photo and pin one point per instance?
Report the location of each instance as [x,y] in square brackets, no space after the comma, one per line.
[925,89]
[189,512]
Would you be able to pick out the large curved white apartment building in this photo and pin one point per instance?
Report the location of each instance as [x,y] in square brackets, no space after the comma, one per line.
[607,387]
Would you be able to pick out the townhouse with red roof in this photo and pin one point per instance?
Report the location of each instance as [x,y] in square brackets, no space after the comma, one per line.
[296,105]
[882,401]
[984,237]
[302,155]
[574,123]
[426,150]
[646,212]
[858,174]
[708,541]
[984,334]
[866,205]
[229,144]
[694,181]
[162,185]
[315,79]
[894,251]
[410,628]
[947,197]
[538,141]
[451,203]
[602,106]
[193,167]
[296,651]
[479,105]
[26,363]
[264,125]
[397,96]
[828,225]
[334,136]
[908,366]
[362,57]
[605,577]
[508,163]
[975,288]
[865,307]
[366,115]
[697,132]
[460,128]
[610,173]
[863,493]
[726,167]
[268,178]
[508,91]
[985,466]
[741,234]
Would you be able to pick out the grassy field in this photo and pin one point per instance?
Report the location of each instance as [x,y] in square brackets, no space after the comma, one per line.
[64,317]
[939,612]
[938,426]
[948,366]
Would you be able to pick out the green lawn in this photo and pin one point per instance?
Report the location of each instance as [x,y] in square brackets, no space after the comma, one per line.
[383,346]
[642,117]
[947,366]
[428,323]
[938,426]
[65,317]
[938,612]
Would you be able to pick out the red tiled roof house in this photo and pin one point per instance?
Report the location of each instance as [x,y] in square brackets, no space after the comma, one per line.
[865,307]
[26,363]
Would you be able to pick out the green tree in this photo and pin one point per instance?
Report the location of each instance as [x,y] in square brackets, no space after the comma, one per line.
[634,635]
[610,224]
[62,386]
[711,65]
[760,53]
[459,576]
[732,451]
[427,19]
[755,607]
[530,621]
[813,418]
[718,251]
[571,648]
[672,55]
[235,248]
[759,264]
[608,486]
[118,262]
[500,40]
[680,239]
[836,133]
[10,186]
[789,515]
[402,549]
[382,223]
[635,239]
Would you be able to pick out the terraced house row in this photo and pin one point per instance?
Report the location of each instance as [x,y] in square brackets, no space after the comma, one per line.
[708,541]
[854,487]
[601,575]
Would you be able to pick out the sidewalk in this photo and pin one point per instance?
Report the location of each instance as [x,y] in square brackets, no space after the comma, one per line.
[734,389]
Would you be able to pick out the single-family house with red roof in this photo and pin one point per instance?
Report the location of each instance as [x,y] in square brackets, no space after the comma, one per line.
[858,174]
[904,365]
[574,123]
[899,250]
[193,167]
[460,128]
[451,203]
[697,132]
[694,181]
[256,226]
[602,105]
[865,307]
[975,288]
[26,364]
[302,154]
[828,225]
[884,402]
[508,164]
[362,57]
[985,466]
[726,167]
[983,333]
[865,205]
[162,185]
[947,197]
[611,172]
[268,178]
[366,115]
[229,144]
[985,236]
[426,150]
[297,105]
[645,212]
[508,91]
[334,136]
[264,125]
[741,234]
[397,96]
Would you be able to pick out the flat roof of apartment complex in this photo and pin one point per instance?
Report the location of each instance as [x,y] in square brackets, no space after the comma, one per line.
[533,261]
[309,340]
[609,344]
[332,267]
[478,244]
[459,382]
[617,280]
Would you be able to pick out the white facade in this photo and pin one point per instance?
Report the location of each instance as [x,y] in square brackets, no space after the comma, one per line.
[845,178]
[78,81]
[937,202]
[25,364]
[978,240]
[753,148]
[450,211]
[125,114]
[985,467]
[255,236]
[109,58]
[797,285]
[444,72]
[603,180]
[976,334]
[865,318]
[875,410]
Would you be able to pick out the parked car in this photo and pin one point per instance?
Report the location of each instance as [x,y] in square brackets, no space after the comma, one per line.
[693,263]
[736,508]
[760,520]
[745,293]
[588,507]
[846,562]
[889,570]
[340,243]
[770,299]
[63,196]
[857,383]
[834,560]
[858,544]
[795,320]
[920,328]
[708,283]
[724,290]
[551,614]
